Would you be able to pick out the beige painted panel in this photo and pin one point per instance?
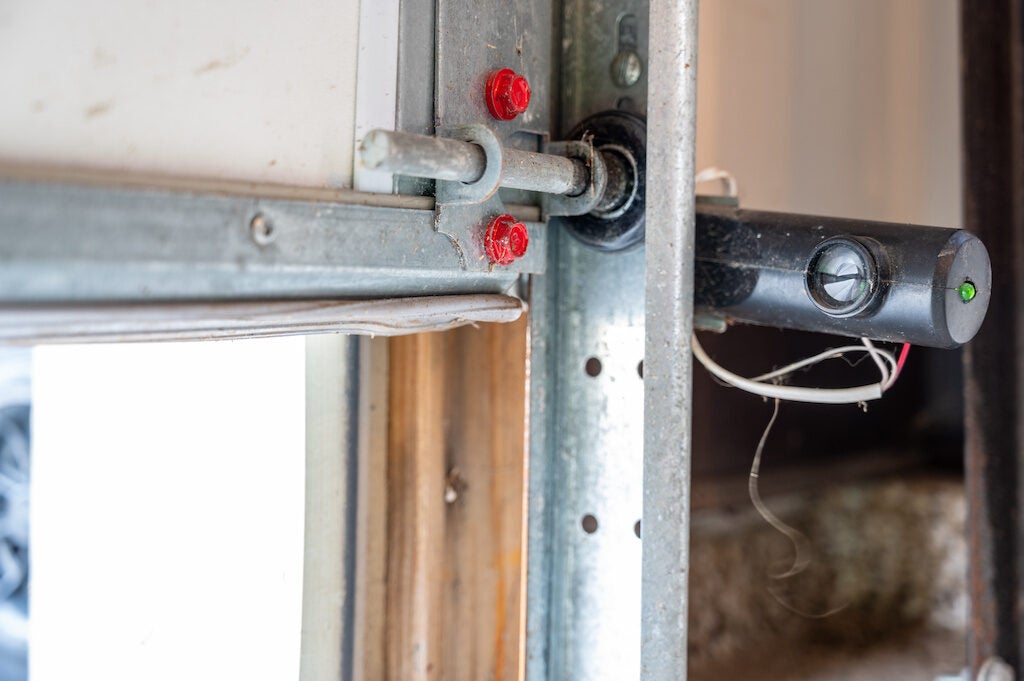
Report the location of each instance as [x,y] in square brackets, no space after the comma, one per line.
[843,107]
[260,90]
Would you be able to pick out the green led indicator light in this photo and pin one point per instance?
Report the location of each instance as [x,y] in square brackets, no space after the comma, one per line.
[967,291]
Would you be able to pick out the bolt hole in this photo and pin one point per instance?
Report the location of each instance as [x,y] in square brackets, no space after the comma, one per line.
[589,524]
[640,369]
[593,367]
[636,529]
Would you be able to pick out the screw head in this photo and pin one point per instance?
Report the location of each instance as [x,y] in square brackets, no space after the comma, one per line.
[507,94]
[505,240]
[261,230]
[627,68]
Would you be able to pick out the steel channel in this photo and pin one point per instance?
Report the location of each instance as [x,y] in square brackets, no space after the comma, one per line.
[75,244]
[457,161]
[586,443]
[416,50]
[542,536]
[337,386]
[671,111]
[597,446]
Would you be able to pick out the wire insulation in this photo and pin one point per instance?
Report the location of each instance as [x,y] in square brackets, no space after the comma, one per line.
[791,393]
[801,544]
[712,173]
[904,351]
[795,536]
[833,353]
[876,356]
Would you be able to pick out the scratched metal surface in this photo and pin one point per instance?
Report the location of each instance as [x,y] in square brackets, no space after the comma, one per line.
[474,39]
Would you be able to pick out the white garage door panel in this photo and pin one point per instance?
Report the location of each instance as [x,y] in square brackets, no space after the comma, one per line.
[258,90]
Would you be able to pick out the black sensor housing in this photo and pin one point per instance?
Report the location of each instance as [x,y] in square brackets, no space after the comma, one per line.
[893,282]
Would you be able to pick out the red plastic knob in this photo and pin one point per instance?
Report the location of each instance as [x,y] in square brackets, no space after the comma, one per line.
[505,240]
[508,94]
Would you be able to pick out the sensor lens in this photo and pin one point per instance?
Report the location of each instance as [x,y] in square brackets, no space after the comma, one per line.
[967,291]
[841,277]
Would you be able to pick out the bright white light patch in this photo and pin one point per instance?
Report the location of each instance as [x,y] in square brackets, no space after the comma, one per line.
[167,511]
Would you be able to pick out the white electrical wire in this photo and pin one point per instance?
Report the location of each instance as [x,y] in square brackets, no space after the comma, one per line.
[887,377]
[712,173]
[792,393]
[801,544]
[833,353]
[801,553]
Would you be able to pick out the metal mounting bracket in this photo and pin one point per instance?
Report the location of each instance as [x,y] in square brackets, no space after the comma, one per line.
[463,209]
[471,43]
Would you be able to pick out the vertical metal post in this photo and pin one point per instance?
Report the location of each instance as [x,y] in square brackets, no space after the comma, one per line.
[331,542]
[992,78]
[671,109]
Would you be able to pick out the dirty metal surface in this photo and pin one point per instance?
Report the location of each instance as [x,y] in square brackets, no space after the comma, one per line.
[586,431]
[595,35]
[68,243]
[415,96]
[993,120]
[474,39]
[593,461]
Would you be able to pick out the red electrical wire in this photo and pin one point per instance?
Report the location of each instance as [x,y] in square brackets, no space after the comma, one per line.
[900,362]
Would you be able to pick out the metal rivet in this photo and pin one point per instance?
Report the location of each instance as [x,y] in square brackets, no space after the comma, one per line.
[262,231]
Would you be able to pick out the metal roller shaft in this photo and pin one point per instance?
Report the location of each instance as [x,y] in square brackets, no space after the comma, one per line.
[407,153]
[543,173]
